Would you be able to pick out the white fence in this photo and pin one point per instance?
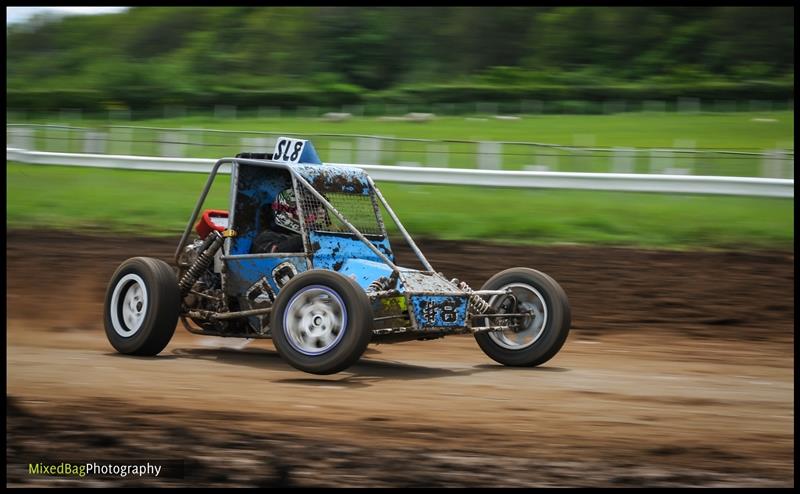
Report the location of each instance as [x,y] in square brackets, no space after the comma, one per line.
[683,158]
[684,184]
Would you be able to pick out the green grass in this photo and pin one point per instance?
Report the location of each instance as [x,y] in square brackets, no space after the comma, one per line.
[160,203]
[747,130]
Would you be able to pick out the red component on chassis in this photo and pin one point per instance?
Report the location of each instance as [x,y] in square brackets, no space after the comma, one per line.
[212,219]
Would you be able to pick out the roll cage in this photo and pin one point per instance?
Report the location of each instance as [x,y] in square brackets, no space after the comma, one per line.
[301,187]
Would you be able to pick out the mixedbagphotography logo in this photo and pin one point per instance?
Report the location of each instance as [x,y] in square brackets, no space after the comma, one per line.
[108,469]
[59,470]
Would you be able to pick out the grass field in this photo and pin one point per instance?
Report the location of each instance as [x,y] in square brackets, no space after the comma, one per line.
[160,203]
[755,131]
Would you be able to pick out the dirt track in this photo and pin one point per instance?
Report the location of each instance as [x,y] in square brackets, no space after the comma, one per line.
[678,372]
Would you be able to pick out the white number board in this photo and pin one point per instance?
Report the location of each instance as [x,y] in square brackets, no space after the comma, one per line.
[288,150]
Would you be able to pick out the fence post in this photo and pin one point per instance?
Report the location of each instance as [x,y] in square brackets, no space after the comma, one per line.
[21,137]
[368,150]
[172,144]
[582,158]
[549,157]
[772,164]
[660,160]
[489,155]
[623,160]
[122,141]
[50,141]
[195,139]
[94,143]
[388,154]
[686,159]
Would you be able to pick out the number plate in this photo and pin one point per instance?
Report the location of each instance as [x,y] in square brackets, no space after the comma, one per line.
[439,311]
[288,150]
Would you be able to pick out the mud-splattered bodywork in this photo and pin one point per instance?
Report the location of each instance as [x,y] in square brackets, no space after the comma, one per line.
[342,231]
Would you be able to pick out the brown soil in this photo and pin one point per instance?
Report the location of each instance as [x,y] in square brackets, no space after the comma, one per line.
[678,372]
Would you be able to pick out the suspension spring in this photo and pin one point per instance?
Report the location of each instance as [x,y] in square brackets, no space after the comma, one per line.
[476,301]
[200,264]
[384,283]
[379,285]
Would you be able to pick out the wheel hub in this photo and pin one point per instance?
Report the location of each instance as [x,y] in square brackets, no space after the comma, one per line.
[314,320]
[529,328]
[129,305]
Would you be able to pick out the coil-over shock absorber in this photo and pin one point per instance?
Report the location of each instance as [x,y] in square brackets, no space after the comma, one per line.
[383,283]
[378,285]
[210,247]
[476,301]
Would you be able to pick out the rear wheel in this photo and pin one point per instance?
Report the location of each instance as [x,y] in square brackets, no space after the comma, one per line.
[542,333]
[321,322]
[142,306]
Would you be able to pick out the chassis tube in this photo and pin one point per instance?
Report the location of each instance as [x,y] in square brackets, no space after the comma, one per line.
[228,315]
[217,333]
[199,204]
[400,226]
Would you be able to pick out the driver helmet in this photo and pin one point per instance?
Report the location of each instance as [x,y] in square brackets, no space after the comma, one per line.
[285,210]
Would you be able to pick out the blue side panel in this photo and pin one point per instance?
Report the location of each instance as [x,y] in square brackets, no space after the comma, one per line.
[439,311]
[310,155]
[332,250]
[364,272]
[243,273]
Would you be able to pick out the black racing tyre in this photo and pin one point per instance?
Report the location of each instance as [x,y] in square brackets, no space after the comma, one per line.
[321,322]
[546,329]
[142,305]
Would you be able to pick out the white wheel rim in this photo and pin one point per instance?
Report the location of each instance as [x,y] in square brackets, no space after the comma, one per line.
[530,299]
[128,305]
[315,320]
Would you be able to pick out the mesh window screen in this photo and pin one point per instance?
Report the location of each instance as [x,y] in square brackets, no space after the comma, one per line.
[356,208]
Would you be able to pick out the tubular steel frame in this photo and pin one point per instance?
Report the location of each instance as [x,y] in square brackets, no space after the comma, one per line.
[297,181]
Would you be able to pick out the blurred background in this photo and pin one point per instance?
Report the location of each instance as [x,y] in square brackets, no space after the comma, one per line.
[672,274]
[662,90]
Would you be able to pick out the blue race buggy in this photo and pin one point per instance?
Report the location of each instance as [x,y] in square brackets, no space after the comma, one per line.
[323,304]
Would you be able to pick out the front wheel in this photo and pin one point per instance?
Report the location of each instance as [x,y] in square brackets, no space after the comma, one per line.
[142,305]
[543,331]
[321,322]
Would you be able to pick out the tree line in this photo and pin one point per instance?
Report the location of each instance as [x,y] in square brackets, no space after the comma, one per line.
[294,56]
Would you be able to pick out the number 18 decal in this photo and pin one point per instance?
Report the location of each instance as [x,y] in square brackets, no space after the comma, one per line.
[288,150]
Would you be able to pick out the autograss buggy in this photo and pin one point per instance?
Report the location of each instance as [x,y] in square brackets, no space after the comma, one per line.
[323,305]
